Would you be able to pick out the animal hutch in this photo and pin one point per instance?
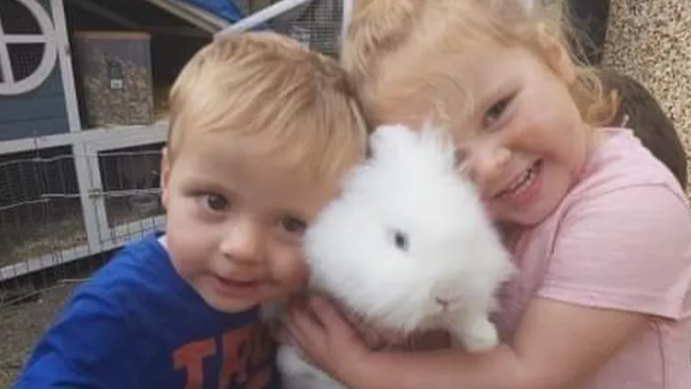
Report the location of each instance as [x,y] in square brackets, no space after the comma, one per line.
[83,91]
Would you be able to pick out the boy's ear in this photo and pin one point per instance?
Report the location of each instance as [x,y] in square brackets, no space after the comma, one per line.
[556,55]
[165,177]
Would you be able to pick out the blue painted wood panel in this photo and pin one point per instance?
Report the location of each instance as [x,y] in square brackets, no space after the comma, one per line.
[32,129]
[39,112]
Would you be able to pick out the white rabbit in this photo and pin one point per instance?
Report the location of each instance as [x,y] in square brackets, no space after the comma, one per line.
[408,246]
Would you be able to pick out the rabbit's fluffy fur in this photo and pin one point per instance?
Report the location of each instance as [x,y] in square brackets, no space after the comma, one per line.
[407,245]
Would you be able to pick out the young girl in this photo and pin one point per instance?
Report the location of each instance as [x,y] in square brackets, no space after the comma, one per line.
[599,228]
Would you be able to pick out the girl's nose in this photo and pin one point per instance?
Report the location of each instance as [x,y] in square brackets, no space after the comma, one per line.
[486,164]
[242,242]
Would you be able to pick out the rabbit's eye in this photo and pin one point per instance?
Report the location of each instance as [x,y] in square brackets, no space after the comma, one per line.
[401,240]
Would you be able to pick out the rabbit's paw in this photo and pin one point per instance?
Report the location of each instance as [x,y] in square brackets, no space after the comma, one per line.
[477,334]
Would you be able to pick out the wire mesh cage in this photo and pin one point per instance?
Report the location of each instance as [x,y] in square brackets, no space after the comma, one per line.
[42,204]
[23,59]
[40,211]
[316,24]
[28,48]
[131,188]
[16,19]
[115,80]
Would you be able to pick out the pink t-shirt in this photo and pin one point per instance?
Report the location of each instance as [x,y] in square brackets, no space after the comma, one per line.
[620,239]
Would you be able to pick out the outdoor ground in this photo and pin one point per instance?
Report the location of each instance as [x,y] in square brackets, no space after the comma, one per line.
[20,326]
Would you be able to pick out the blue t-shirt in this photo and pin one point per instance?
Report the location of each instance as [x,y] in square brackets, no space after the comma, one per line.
[136,324]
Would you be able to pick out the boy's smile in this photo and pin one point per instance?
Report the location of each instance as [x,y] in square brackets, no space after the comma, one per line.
[236,213]
[230,287]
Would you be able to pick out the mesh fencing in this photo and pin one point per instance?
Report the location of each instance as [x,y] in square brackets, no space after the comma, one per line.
[316,24]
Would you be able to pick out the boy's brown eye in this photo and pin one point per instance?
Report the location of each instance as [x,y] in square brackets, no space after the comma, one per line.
[293,225]
[216,202]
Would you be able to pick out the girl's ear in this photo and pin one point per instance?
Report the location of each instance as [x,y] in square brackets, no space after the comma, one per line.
[165,177]
[556,55]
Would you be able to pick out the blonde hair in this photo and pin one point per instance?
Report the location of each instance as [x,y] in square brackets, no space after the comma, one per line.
[263,84]
[423,29]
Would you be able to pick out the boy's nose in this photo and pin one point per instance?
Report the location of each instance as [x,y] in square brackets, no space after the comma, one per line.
[487,164]
[242,242]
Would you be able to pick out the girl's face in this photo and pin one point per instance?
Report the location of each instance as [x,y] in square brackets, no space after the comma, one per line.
[524,141]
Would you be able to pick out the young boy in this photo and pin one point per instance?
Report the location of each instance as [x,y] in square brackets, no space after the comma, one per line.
[261,131]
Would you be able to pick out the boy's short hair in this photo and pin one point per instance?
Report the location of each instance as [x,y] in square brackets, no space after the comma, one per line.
[266,85]
[381,29]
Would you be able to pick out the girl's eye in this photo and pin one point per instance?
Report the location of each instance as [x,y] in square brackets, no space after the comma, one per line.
[495,112]
[216,203]
[293,226]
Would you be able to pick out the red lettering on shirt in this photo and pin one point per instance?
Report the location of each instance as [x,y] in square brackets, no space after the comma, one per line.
[190,357]
[243,350]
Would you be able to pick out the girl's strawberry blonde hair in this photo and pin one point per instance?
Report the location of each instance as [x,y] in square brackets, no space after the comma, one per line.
[418,34]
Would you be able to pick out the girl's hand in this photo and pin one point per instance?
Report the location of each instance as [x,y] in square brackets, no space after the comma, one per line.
[327,339]
[318,328]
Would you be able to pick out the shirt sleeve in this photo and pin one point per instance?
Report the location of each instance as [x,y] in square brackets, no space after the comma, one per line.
[628,249]
[91,345]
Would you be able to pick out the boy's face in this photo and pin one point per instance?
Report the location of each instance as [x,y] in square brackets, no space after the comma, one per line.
[235,220]
[522,140]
